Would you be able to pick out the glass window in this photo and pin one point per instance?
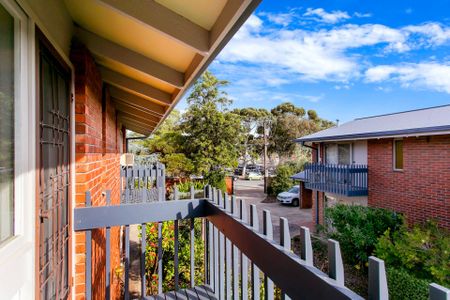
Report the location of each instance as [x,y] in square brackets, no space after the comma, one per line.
[398,155]
[6,125]
[344,154]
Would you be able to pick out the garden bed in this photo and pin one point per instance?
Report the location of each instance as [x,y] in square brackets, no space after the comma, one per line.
[355,279]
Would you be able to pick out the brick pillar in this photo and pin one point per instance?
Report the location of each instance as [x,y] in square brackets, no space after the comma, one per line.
[96,167]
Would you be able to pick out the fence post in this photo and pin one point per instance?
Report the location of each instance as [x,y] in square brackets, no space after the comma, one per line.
[378,289]
[176,194]
[336,267]
[306,252]
[438,292]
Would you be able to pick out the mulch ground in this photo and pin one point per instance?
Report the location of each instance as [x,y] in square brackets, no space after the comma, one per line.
[355,279]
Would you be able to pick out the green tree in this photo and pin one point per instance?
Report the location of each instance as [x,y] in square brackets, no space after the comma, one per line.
[251,119]
[212,135]
[166,142]
[289,123]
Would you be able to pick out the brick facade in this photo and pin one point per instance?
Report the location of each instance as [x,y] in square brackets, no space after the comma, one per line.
[422,190]
[99,142]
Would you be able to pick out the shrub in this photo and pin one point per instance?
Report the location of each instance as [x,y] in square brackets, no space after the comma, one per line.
[404,286]
[423,251]
[282,180]
[216,179]
[168,246]
[357,229]
[185,187]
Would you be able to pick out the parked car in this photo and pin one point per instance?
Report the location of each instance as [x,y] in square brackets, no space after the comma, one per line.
[290,197]
[253,176]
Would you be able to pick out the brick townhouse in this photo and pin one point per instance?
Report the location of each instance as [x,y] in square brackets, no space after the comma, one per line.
[398,161]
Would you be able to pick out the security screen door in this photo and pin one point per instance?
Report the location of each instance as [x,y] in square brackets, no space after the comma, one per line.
[54,174]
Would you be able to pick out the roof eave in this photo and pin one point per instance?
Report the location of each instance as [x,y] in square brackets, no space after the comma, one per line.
[438,130]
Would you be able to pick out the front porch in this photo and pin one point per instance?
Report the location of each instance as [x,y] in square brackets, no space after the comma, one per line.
[240,259]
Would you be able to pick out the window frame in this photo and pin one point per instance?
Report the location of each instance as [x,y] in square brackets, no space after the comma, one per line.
[24,139]
[336,144]
[394,156]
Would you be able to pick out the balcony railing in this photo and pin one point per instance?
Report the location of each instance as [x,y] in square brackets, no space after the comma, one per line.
[346,180]
[239,257]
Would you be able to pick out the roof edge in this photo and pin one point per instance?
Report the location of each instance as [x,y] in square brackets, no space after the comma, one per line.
[436,130]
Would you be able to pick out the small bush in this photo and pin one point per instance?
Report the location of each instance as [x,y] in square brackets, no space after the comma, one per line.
[185,187]
[357,229]
[282,180]
[404,286]
[216,179]
[423,251]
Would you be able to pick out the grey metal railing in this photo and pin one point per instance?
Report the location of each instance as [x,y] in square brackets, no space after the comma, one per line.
[239,258]
[347,180]
[142,183]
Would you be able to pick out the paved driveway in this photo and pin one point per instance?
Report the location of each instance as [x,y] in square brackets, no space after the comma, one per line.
[253,193]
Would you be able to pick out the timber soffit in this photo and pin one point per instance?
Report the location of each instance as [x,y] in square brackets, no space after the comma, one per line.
[146,98]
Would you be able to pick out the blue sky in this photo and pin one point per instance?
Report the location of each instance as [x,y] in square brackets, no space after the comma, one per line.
[345,58]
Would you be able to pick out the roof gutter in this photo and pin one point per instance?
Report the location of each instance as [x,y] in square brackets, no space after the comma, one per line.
[437,130]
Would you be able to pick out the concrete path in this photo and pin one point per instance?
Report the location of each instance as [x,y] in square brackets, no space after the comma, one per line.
[253,193]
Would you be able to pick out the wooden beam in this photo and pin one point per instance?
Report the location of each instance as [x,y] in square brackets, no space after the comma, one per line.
[136,101]
[126,83]
[138,118]
[232,11]
[126,107]
[135,120]
[136,124]
[107,49]
[164,20]
[137,129]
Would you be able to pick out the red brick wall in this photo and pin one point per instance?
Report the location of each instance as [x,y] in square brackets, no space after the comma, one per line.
[422,190]
[99,142]
[321,207]
[306,196]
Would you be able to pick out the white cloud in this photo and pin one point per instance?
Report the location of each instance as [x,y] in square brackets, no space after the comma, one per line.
[362,15]
[283,19]
[430,34]
[324,54]
[425,75]
[327,17]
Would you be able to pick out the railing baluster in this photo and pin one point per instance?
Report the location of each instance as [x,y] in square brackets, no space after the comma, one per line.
[211,254]
[228,268]
[127,263]
[244,260]
[192,192]
[192,251]
[236,256]
[216,260]
[221,255]
[438,292]
[306,247]
[143,248]
[285,242]
[268,232]
[228,262]
[378,289]
[336,267]
[176,194]
[256,284]
[176,247]
[108,253]
[88,263]
[160,258]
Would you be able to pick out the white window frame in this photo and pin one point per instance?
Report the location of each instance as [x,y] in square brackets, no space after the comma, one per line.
[18,251]
[394,156]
